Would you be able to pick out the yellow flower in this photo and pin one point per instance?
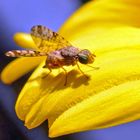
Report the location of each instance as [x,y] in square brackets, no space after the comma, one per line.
[109,28]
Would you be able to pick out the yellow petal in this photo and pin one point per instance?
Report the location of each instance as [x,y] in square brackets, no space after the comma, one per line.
[114,37]
[18,68]
[24,40]
[102,110]
[51,104]
[102,14]
[117,49]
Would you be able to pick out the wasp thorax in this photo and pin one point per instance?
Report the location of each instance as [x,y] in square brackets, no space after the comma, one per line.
[85,57]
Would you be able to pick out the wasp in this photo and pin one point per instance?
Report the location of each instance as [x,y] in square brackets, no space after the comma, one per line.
[59,51]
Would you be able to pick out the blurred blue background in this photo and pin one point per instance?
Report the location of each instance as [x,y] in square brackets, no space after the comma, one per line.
[15,16]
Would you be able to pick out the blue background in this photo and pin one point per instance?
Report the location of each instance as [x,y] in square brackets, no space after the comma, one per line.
[15,16]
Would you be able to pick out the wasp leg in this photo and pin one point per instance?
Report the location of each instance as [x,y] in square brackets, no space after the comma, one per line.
[81,70]
[66,76]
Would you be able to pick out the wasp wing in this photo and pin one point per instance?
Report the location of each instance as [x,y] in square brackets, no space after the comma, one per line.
[46,40]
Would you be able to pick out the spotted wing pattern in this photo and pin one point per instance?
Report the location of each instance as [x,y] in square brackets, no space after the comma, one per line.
[46,40]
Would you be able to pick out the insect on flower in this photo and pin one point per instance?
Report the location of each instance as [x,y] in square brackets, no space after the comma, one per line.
[59,51]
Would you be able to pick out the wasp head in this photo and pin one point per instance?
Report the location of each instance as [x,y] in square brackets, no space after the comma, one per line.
[86,57]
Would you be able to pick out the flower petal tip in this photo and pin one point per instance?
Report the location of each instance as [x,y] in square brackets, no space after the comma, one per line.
[4,78]
[27,126]
[24,40]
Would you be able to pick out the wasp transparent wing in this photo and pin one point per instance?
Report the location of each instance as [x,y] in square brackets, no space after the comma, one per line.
[47,40]
[24,53]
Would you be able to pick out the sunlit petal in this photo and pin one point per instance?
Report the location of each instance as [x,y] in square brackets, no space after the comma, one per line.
[50,92]
[105,109]
[18,68]
[24,40]
[110,29]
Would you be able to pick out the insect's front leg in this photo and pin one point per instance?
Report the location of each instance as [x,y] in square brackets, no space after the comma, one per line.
[81,70]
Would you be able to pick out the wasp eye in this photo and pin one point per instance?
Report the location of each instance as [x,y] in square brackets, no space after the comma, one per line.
[83,59]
